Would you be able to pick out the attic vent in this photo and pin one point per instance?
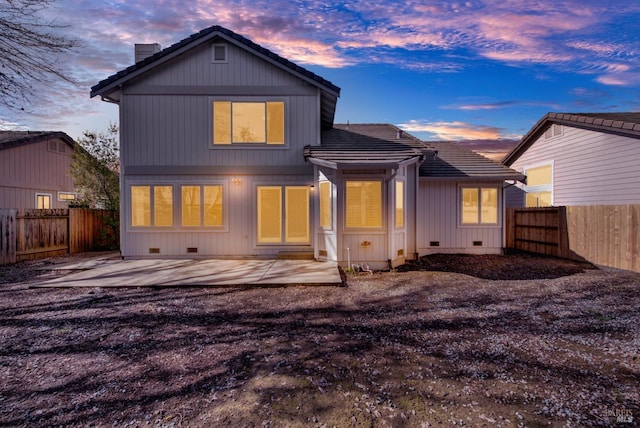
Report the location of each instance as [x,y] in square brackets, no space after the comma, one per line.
[145,50]
[399,134]
[219,53]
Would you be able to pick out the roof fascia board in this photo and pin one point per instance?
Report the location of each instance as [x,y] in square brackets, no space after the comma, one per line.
[197,42]
[552,118]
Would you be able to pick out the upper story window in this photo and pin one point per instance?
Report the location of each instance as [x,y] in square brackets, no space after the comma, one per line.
[539,188]
[248,122]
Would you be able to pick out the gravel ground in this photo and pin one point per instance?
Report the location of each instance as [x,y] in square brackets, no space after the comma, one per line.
[421,346]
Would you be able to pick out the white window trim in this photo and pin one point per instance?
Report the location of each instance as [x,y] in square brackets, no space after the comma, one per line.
[177,207]
[213,53]
[542,188]
[282,243]
[331,206]
[44,194]
[383,203]
[404,205]
[75,196]
[254,146]
[479,186]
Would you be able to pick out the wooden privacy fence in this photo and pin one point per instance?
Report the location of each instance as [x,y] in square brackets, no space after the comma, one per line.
[31,233]
[607,235]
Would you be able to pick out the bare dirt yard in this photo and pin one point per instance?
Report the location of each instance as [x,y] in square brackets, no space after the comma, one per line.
[513,341]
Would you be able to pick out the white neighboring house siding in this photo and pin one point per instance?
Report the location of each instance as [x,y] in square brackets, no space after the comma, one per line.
[590,167]
[439,213]
[166,139]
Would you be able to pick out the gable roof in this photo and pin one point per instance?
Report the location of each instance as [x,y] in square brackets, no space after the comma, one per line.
[383,145]
[329,91]
[454,161]
[626,124]
[9,139]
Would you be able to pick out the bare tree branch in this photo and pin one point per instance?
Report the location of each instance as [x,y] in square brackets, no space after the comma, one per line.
[30,50]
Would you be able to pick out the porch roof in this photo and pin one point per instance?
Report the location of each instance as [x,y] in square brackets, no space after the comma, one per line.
[365,146]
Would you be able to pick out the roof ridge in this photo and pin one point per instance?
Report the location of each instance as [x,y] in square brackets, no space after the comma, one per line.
[203,33]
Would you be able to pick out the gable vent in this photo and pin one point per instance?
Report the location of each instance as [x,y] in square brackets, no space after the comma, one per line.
[145,50]
[219,53]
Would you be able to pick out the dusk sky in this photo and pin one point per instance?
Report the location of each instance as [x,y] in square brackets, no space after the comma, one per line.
[479,69]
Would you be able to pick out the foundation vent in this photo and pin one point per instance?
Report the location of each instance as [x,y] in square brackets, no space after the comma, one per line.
[322,253]
[192,249]
[434,243]
[477,243]
[154,250]
[400,253]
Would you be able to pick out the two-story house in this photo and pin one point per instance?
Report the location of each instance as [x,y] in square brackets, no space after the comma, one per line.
[229,150]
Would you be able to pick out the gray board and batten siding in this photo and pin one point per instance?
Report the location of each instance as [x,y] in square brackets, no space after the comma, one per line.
[166,139]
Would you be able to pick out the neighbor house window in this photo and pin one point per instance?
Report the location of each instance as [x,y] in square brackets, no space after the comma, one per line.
[325,205]
[202,206]
[539,186]
[66,196]
[246,122]
[399,204]
[479,205]
[363,204]
[152,206]
[43,201]
[277,220]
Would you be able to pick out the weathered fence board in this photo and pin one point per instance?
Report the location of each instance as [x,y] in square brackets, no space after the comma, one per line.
[33,233]
[607,235]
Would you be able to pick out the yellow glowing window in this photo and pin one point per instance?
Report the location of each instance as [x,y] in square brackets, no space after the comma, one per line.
[191,205]
[538,199]
[64,196]
[213,205]
[269,214]
[399,204]
[539,186]
[325,204]
[163,206]
[479,205]
[297,214]
[43,201]
[540,176]
[364,204]
[140,206]
[272,219]
[248,122]
[202,206]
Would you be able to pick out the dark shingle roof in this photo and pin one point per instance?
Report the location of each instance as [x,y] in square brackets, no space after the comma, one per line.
[367,145]
[330,91]
[624,123]
[371,145]
[454,161]
[10,139]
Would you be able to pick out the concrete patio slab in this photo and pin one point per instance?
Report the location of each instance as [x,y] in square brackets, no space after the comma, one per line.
[195,272]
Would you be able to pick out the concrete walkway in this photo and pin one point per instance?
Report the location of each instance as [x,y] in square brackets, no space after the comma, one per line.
[109,272]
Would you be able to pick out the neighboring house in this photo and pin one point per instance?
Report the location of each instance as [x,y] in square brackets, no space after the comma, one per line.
[34,169]
[229,150]
[578,159]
